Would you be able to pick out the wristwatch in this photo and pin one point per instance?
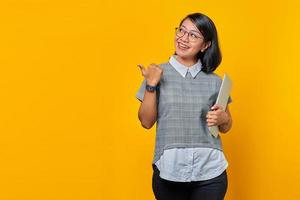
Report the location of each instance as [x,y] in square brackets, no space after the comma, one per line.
[150,88]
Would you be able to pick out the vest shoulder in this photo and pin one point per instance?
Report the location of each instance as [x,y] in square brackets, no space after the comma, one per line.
[215,77]
[164,64]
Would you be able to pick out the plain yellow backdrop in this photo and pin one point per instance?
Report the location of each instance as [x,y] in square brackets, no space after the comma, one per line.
[68,112]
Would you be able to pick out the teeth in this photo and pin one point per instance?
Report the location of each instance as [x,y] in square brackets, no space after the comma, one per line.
[182,46]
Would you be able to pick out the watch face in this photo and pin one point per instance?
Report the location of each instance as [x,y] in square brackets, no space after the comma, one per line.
[150,88]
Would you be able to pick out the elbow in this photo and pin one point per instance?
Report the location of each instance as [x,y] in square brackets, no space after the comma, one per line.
[146,125]
[225,129]
[146,122]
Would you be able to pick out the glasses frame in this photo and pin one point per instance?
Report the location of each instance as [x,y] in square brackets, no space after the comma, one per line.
[177,31]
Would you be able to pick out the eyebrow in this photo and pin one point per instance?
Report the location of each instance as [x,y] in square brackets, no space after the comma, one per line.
[193,30]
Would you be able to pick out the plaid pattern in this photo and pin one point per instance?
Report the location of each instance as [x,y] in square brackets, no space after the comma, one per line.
[182,107]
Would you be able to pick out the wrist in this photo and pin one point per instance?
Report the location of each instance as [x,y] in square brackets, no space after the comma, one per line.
[227,120]
[151,88]
[151,83]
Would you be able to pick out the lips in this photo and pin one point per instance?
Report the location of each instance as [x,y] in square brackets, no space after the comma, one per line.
[182,46]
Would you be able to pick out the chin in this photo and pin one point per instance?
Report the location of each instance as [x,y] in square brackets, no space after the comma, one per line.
[183,55]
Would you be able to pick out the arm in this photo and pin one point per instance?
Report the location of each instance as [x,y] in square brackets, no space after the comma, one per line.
[225,127]
[148,110]
[220,118]
[147,113]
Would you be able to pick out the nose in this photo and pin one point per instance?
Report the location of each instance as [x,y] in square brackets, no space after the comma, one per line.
[185,37]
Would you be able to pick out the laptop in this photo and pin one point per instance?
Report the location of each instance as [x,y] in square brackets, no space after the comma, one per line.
[222,100]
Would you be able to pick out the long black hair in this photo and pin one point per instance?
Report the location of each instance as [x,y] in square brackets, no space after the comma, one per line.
[211,57]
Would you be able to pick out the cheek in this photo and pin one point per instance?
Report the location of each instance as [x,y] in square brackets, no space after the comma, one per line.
[175,41]
[196,48]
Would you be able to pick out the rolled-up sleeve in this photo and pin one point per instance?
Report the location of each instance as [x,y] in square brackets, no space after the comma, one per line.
[140,94]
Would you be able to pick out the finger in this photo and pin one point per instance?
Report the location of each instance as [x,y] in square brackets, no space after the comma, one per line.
[212,122]
[153,64]
[211,113]
[157,67]
[160,69]
[216,107]
[212,117]
[142,68]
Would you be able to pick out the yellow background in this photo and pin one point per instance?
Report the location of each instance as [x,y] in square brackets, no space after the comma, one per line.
[68,78]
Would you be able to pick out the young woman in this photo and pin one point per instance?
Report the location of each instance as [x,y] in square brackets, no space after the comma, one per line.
[180,95]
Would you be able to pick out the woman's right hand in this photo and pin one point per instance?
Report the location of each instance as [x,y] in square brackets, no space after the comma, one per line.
[152,74]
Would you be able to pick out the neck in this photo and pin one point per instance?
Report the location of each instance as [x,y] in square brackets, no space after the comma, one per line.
[186,61]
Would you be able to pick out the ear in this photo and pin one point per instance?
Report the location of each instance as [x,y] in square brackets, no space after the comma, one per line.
[206,46]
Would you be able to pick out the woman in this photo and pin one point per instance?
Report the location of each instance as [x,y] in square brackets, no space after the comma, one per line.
[180,95]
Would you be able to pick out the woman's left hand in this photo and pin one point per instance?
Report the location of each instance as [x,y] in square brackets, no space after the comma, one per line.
[217,117]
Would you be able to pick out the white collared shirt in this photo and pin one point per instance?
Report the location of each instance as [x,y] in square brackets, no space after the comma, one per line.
[183,70]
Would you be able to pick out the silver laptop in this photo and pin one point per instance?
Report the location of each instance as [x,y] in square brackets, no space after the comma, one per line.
[222,100]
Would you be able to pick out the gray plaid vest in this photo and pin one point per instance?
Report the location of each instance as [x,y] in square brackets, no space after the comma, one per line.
[182,107]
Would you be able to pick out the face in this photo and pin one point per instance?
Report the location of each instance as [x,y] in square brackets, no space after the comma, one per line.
[189,40]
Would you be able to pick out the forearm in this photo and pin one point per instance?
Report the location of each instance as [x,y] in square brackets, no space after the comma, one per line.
[148,110]
[223,128]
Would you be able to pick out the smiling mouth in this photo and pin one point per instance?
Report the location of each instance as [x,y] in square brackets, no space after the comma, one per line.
[182,46]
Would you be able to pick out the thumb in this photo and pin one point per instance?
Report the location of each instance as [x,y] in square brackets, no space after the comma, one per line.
[142,69]
[216,107]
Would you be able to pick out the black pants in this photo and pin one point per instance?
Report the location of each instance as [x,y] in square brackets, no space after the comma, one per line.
[213,189]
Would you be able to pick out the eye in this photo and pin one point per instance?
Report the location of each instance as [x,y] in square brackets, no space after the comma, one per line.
[181,30]
[194,35]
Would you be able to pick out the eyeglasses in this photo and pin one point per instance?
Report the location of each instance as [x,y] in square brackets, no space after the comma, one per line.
[192,35]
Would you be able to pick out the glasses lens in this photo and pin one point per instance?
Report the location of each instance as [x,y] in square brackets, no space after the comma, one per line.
[179,32]
[193,37]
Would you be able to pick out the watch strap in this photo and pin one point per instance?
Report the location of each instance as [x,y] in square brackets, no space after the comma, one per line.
[151,88]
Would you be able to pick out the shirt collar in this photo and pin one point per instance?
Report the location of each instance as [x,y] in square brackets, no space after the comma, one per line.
[182,69]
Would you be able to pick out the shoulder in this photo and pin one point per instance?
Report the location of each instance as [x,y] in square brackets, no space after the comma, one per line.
[167,70]
[216,77]
[213,77]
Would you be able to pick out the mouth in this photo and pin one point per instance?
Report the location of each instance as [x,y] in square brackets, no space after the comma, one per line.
[182,46]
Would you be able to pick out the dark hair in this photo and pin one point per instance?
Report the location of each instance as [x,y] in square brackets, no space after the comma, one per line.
[211,57]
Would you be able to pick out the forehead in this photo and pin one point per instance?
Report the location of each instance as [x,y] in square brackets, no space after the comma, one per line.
[187,23]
